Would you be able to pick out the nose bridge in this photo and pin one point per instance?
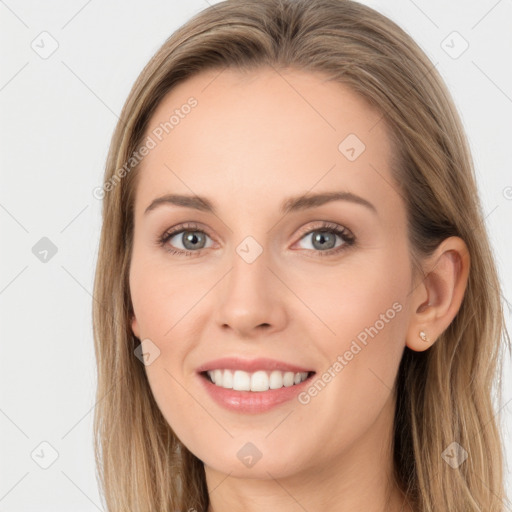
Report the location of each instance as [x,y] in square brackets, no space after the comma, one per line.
[250,296]
[249,276]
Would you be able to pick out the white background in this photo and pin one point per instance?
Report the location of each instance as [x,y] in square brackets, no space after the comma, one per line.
[57,118]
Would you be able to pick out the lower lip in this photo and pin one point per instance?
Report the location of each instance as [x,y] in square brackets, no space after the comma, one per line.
[252,401]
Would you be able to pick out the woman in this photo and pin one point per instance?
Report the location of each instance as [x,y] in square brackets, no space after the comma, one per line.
[296,301]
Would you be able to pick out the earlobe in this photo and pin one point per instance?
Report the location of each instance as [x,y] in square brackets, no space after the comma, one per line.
[444,285]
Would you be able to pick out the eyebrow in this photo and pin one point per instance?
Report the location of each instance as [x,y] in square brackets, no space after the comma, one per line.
[292,204]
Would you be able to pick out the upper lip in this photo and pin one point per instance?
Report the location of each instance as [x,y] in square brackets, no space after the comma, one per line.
[250,365]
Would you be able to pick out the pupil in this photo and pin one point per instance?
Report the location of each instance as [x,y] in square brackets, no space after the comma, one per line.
[321,237]
[192,239]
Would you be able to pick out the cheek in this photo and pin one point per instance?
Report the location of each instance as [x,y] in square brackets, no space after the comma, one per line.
[163,301]
[353,296]
[162,296]
[365,310]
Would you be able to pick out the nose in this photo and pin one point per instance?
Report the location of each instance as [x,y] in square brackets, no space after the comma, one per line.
[251,299]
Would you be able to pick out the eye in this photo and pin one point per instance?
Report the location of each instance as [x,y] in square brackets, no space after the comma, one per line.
[190,237]
[193,239]
[323,239]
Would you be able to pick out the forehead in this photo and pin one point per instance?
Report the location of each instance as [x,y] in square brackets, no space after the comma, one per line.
[264,134]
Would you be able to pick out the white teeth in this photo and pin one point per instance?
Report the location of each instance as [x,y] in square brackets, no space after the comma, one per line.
[227,379]
[288,379]
[241,381]
[257,381]
[276,380]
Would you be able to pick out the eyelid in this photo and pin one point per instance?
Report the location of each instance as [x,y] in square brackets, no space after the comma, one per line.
[323,225]
[186,226]
[179,228]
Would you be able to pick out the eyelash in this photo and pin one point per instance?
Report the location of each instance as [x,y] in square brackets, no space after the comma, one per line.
[325,227]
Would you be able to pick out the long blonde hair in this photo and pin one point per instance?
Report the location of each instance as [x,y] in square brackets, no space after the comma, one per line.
[443,394]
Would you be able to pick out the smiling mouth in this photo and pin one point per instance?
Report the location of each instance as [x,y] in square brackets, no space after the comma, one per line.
[258,381]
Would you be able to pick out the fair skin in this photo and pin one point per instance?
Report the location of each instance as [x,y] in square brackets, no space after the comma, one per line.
[253,140]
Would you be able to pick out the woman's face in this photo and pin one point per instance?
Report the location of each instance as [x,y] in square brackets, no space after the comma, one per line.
[277,291]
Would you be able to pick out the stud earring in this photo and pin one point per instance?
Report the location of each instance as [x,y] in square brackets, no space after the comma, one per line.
[423,336]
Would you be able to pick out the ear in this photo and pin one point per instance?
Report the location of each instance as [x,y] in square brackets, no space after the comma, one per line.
[437,297]
[135,326]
